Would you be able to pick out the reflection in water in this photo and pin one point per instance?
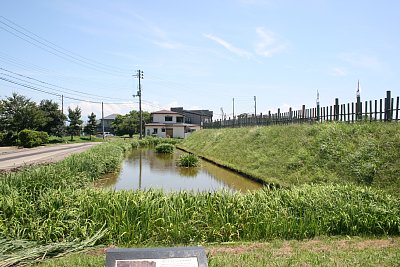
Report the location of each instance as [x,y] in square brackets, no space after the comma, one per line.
[188,172]
[145,169]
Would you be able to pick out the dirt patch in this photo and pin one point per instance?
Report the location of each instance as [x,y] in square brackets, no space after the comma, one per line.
[320,246]
[234,249]
[98,251]
[285,250]
[316,246]
[379,244]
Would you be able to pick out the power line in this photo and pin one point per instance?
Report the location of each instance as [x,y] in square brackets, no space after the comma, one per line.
[79,92]
[35,88]
[55,51]
[69,51]
[15,62]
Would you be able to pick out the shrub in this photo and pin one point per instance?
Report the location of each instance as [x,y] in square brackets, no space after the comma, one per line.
[135,144]
[8,138]
[29,138]
[165,148]
[188,160]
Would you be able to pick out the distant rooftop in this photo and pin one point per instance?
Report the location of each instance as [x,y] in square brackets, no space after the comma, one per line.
[111,117]
[166,112]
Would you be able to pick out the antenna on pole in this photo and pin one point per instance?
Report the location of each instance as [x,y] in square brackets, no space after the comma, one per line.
[318,107]
[140,76]
[358,105]
[255,107]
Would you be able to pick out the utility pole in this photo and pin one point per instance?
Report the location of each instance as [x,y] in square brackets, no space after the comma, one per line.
[102,119]
[358,106]
[318,107]
[255,107]
[62,104]
[139,75]
[233,108]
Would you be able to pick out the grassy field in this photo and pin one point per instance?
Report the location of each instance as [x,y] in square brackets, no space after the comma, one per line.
[325,251]
[338,153]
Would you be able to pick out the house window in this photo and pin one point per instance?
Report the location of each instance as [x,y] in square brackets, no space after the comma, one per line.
[168,118]
[163,130]
[155,130]
[179,119]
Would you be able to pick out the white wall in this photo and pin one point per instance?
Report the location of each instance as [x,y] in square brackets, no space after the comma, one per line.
[151,129]
[161,118]
[179,132]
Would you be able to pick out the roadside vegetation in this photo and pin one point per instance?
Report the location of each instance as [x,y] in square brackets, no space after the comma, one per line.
[329,153]
[26,123]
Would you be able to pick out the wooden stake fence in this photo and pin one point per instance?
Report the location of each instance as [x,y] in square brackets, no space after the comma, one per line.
[386,109]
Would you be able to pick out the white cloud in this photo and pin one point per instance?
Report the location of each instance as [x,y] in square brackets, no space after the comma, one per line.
[168,44]
[336,71]
[362,60]
[87,108]
[230,47]
[267,45]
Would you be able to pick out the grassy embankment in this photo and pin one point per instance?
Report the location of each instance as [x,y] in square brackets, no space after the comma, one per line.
[326,251]
[337,153]
[56,203]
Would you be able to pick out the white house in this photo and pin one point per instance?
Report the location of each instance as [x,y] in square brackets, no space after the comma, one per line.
[167,123]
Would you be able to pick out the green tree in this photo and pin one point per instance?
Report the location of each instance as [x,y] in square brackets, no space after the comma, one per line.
[18,112]
[54,118]
[90,128]
[129,123]
[75,122]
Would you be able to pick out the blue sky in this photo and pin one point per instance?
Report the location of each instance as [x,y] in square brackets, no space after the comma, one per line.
[200,54]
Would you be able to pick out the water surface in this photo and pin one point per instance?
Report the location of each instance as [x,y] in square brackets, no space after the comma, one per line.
[146,169]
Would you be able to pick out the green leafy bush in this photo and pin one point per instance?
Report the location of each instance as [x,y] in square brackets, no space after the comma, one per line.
[8,138]
[29,138]
[188,160]
[135,144]
[165,148]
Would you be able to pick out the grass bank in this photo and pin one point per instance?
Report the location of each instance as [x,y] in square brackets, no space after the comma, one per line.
[339,153]
[325,251]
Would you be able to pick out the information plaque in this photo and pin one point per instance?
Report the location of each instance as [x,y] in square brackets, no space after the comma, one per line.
[156,257]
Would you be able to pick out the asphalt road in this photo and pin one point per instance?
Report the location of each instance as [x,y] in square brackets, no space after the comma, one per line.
[12,158]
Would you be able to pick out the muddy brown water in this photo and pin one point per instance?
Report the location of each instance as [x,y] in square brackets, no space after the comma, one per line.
[145,169]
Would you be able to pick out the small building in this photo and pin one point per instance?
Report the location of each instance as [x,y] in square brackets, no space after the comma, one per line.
[166,123]
[195,116]
[108,120]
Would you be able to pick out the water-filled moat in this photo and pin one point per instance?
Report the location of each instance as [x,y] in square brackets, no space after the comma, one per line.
[145,169]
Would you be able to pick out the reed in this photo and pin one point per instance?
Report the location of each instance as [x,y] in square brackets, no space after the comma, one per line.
[154,217]
[188,160]
[165,148]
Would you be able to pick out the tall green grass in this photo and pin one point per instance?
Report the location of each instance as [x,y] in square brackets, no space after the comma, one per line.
[361,153]
[153,217]
[188,160]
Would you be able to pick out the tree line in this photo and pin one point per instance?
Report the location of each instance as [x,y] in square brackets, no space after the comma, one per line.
[18,113]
